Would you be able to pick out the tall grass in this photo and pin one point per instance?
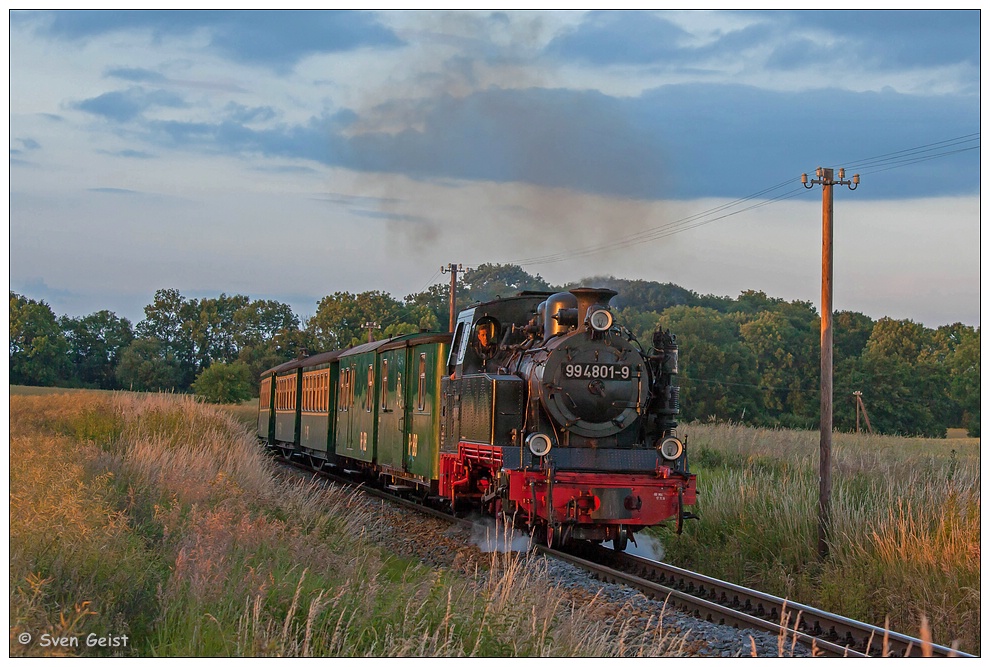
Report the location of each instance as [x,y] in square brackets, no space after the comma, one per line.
[905,540]
[157,517]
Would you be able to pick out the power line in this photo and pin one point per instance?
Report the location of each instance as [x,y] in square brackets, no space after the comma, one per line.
[875,164]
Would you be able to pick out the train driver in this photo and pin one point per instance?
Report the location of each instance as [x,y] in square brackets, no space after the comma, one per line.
[485,338]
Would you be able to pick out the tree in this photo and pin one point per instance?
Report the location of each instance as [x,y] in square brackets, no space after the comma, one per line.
[38,349]
[784,339]
[170,320]
[718,375]
[490,281]
[901,398]
[215,328]
[268,334]
[147,365]
[904,380]
[432,307]
[95,344]
[340,318]
[850,331]
[782,353]
[224,383]
[964,374]
[641,324]
[261,321]
[643,295]
[902,339]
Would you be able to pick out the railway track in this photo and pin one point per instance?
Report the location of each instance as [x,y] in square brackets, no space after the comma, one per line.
[710,599]
[726,603]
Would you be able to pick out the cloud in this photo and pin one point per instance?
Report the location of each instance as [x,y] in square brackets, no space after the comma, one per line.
[909,38]
[780,40]
[114,191]
[126,105]
[275,38]
[239,113]
[137,75]
[607,38]
[128,153]
[681,141]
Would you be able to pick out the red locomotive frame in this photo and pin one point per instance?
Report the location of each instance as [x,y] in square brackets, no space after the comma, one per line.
[598,505]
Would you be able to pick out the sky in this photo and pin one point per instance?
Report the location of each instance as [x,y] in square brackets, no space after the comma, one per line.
[291,155]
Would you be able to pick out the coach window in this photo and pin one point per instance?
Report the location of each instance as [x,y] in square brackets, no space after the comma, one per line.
[421,402]
[345,388]
[369,400]
[384,385]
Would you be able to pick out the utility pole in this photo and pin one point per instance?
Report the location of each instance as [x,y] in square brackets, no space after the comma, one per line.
[371,326]
[861,407]
[826,180]
[452,269]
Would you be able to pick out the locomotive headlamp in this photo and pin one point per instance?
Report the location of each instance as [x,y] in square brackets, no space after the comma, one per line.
[671,449]
[600,320]
[539,443]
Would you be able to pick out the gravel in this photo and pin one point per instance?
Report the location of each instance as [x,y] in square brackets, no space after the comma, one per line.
[441,545]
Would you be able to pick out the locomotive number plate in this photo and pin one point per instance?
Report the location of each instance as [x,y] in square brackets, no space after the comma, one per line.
[598,371]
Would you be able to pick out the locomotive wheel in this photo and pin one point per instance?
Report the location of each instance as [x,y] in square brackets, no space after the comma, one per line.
[620,541]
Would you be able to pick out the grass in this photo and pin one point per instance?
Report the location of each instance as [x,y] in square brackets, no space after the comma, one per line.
[905,543]
[157,517]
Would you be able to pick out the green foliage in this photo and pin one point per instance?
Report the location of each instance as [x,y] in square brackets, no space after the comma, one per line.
[642,295]
[37,345]
[95,345]
[148,365]
[341,318]
[718,373]
[490,281]
[224,383]
[850,331]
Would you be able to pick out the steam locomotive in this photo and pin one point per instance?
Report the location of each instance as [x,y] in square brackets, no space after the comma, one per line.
[538,409]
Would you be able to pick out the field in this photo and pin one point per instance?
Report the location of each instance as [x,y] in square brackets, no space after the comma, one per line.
[905,544]
[153,526]
[156,517]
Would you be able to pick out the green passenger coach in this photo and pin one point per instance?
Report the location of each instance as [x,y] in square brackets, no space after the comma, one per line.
[372,408]
[409,411]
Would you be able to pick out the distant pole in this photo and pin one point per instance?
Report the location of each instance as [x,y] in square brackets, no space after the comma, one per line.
[861,407]
[452,269]
[826,180]
[370,326]
[857,394]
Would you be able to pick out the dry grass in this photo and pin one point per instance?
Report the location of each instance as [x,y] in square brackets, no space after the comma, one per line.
[905,543]
[157,517]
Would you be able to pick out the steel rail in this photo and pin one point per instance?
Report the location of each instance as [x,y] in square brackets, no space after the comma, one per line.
[828,632]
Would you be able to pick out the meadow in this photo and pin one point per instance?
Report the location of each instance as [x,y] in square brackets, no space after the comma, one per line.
[905,540]
[154,524]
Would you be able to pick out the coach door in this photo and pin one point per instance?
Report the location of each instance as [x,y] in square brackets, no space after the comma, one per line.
[391,410]
[345,442]
[425,366]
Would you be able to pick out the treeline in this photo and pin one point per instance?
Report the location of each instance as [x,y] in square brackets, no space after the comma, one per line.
[753,359]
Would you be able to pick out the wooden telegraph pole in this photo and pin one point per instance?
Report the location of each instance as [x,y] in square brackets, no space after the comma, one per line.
[452,269]
[861,409]
[826,180]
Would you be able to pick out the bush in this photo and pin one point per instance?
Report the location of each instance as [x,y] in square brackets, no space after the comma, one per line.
[224,383]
